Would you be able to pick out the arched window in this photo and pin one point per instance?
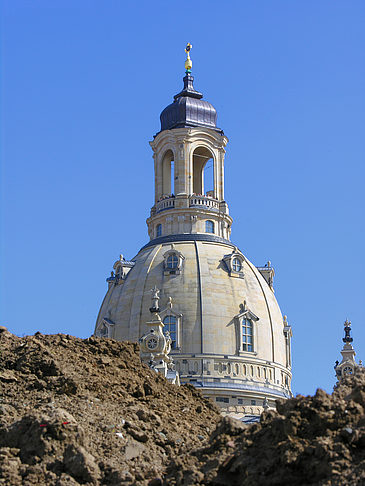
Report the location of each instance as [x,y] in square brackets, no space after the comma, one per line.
[158,230]
[236,264]
[172,261]
[170,325]
[209,226]
[247,335]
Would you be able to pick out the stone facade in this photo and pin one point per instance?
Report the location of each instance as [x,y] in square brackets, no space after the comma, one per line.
[228,335]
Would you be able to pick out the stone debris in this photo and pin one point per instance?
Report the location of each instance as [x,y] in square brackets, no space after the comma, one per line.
[317,440]
[76,411]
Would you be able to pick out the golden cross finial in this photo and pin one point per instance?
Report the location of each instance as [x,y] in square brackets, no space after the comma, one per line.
[188,63]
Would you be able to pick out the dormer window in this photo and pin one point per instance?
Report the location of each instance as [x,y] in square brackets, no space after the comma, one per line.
[105,328]
[234,263]
[173,261]
[158,230]
[121,267]
[209,226]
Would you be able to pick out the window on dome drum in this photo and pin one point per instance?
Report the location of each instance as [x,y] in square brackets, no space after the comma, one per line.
[236,264]
[209,226]
[247,335]
[170,325]
[158,230]
[222,399]
[172,262]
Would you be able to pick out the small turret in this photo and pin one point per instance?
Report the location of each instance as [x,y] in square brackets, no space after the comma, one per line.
[155,345]
[348,365]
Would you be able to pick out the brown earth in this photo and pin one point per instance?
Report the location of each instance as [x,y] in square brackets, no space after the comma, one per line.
[316,440]
[76,411]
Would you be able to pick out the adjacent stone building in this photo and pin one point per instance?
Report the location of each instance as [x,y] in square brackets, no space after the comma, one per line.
[228,335]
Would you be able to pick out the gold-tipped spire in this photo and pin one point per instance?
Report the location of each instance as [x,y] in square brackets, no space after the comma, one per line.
[188,63]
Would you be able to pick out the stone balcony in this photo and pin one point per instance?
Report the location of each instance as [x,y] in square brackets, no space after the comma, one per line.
[206,202]
[193,201]
[168,203]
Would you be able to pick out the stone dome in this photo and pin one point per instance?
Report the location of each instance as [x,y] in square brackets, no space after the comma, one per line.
[208,299]
[188,109]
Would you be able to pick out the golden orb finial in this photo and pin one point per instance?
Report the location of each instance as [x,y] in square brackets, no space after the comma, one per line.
[188,63]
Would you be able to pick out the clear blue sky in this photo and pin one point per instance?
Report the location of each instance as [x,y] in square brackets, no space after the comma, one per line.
[83,84]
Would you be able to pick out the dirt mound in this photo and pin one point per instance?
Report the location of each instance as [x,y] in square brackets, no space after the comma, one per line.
[88,412]
[316,440]
[76,411]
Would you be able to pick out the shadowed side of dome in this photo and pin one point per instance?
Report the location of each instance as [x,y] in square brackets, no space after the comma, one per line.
[189,110]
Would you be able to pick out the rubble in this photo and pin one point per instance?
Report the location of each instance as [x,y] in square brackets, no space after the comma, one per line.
[76,411]
[317,440]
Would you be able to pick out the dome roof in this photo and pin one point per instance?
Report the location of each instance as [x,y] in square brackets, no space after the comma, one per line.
[209,301]
[189,110]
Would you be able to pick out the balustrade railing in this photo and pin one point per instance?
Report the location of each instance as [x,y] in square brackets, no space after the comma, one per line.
[194,202]
[167,203]
[207,202]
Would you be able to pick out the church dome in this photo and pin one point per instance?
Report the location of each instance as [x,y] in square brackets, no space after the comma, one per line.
[228,336]
[213,296]
[189,110]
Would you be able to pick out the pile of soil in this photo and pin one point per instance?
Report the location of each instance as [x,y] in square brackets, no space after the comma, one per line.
[317,440]
[88,412]
[76,411]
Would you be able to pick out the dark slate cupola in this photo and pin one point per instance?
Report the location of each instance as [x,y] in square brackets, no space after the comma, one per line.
[189,110]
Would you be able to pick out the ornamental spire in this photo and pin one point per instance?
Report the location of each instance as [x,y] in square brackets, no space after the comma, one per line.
[188,62]
[347,328]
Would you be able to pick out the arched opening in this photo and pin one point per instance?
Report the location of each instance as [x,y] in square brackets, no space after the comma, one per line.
[158,230]
[168,174]
[203,172]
